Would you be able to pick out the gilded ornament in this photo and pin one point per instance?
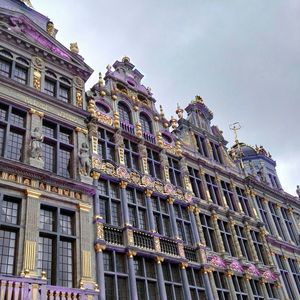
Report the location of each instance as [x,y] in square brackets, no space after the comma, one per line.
[74,48]
[79,99]
[37,76]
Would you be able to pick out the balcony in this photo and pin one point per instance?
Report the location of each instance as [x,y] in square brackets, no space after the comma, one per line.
[22,288]
[149,137]
[113,235]
[143,240]
[168,246]
[127,127]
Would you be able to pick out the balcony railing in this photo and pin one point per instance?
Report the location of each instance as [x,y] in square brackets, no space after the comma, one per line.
[127,127]
[168,246]
[113,235]
[190,253]
[149,137]
[22,288]
[143,240]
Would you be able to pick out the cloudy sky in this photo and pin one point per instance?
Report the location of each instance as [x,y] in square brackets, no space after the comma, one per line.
[241,56]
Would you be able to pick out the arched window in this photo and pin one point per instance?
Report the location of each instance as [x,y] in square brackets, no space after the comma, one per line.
[124,113]
[145,123]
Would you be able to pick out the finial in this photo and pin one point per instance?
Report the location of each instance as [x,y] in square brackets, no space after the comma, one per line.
[27,2]
[74,48]
[298,191]
[125,59]
[179,111]
[198,99]
[108,67]
[161,111]
[101,81]
[173,122]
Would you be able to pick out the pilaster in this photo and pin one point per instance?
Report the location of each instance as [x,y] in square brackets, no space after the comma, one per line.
[160,278]
[173,217]
[131,271]
[124,202]
[231,288]
[185,282]
[150,215]
[236,244]
[220,245]
[191,210]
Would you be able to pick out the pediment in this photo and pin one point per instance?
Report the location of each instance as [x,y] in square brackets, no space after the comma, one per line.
[20,25]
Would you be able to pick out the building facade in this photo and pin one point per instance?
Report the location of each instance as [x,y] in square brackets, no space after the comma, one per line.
[102,197]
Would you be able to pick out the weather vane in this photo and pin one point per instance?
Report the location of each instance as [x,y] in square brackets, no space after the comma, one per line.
[235,127]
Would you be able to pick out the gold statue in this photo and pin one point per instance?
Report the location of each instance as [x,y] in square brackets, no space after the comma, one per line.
[50,28]
[74,48]
[28,3]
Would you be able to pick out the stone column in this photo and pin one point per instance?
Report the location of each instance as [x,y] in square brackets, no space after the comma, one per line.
[86,245]
[214,218]
[124,202]
[292,218]
[100,270]
[199,226]
[185,282]
[173,218]
[267,253]
[160,278]
[247,278]
[250,242]
[131,273]
[236,244]
[251,199]
[279,290]
[207,284]
[213,286]
[150,215]
[191,210]
[31,235]
[231,288]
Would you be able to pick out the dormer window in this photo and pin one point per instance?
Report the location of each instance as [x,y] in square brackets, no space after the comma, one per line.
[5,63]
[121,88]
[145,123]
[124,113]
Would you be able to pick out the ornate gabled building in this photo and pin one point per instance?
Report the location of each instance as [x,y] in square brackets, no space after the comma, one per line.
[103,197]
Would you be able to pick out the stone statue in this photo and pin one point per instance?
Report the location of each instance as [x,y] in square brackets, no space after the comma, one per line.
[84,160]
[37,139]
[298,191]
[74,48]
[50,29]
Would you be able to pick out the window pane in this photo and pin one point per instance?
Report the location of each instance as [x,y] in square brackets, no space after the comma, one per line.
[7,251]
[15,145]
[66,263]
[45,253]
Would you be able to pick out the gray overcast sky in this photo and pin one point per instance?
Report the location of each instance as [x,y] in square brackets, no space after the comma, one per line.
[241,56]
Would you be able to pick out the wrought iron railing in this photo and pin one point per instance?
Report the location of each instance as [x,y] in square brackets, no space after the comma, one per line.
[113,235]
[168,246]
[143,240]
[190,253]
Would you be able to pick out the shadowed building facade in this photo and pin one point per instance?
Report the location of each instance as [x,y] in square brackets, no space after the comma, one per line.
[103,197]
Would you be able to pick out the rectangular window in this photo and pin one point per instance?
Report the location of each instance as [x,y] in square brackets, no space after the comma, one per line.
[226,237]
[146,280]
[5,67]
[50,87]
[161,216]
[216,152]
[137,209]
[258,246]
[9,229]
[295,272]
[196,284]
[183,224]
[174,171]
[256,290]
[196,183]
[116,276]
[56,245]
[64,93]
[243,242]
[106,145]
[154,164]
[289,225]
[173,281]
[58,149]
[240,288]
[131,155]
[277,219]
[244,201]
[228,194]
[221,285]
[213,189]
[208,231]
[109,202]
[202,149]
[21,74]
[263,213]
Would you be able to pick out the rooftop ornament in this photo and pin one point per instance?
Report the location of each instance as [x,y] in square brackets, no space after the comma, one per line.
[27,2]
[179,112]
[126,59]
